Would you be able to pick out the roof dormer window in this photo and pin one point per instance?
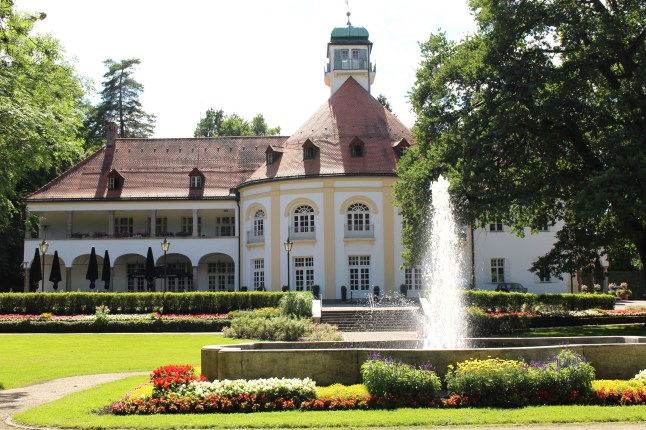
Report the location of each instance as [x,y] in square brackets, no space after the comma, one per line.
[270,158]
[115,180]
[196,179]
[401,147]
[356,148]
[309,150]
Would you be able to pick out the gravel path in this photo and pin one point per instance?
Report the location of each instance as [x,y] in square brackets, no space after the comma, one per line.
[20,399]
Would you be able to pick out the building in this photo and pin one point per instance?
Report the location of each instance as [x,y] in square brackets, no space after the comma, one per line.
[229,206]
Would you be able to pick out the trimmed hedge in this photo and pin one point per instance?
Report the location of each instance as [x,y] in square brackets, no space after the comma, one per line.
[75,303]
[494,301]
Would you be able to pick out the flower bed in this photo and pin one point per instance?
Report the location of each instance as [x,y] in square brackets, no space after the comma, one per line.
[105,323]
[564,379]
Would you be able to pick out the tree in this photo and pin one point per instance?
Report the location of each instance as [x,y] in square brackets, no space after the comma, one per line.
[539,116]
[40,117]
[120,103]
[216,123]
[384,102]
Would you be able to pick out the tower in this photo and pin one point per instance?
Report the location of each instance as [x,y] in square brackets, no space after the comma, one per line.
[348,54]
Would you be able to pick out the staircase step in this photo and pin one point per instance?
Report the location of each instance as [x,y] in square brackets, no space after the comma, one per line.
[372,319]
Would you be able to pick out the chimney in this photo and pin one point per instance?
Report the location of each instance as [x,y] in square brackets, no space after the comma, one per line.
[113,133]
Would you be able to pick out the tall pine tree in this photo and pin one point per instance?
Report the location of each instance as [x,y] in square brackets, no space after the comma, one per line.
[119,103]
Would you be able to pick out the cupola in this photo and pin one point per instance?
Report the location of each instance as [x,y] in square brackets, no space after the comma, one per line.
[348,55]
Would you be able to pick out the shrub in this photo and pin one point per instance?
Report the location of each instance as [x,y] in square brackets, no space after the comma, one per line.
[277,328]
[384,377]
[617,392]
[493,301]
[486,324]
[564,378]
[297,304]
[323,332]
[491,382]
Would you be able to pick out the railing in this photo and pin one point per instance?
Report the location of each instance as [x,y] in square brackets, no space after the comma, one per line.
[302,233]
[255,236]
[359,231]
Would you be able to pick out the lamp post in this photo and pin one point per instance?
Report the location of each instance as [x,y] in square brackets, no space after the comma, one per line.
[44,246]
[25,271]
[288,247]
[164,246]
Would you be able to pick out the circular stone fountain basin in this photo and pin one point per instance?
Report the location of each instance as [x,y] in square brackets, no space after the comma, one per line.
[613,357]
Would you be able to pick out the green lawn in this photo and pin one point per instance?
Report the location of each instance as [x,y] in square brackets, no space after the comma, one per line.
[77,411]
[29,358]
[601,330]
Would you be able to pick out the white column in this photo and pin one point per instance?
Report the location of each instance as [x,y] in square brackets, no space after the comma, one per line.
[153,217]
[68,279]
[110,223]
[70,223]
[195,280]
[195,218]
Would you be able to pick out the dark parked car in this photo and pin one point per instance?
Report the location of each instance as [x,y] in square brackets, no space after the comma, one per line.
[511,287]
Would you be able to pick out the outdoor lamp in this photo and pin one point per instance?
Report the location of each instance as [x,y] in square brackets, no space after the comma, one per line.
[44,246]
[288,247]
[165,245]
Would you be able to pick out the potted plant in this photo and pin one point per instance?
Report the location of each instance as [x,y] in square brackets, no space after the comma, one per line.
[624,292]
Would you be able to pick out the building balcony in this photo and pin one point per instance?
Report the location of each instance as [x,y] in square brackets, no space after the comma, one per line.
[359,231]
[302,233]
[255,237]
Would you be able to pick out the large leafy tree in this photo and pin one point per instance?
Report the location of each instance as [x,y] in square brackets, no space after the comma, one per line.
[40,116]
[538,116]
[216,123]
[119,103]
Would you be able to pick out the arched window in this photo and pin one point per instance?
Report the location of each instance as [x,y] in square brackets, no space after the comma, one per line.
[358,216]
[259,223]
[303,220]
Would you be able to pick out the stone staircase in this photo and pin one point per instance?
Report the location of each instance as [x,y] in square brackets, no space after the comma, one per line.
[372,319]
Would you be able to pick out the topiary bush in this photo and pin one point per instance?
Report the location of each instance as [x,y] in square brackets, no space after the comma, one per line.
[276,328]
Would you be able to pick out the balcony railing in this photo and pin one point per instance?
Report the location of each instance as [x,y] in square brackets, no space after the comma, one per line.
[302,233]
[361,231]
[255,236]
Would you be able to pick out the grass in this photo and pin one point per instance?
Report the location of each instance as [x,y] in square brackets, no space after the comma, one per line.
[31,358]
[601,330]
[77,411]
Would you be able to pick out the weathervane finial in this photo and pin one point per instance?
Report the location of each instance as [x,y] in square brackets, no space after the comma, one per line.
[347,3]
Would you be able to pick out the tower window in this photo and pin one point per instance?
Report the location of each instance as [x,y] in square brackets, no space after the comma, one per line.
[356,150]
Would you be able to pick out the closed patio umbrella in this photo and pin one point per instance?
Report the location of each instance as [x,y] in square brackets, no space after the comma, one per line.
[55,274]
[35,272]
[105,273]
[149,271]
[92,269]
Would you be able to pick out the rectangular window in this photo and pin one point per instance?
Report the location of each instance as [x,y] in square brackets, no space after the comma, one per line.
[135,284]
[413,278]
[187,225]
[544,227]
[161,226]
[308,153]
[544,276]
[496,225]
[196,182]
[497,270]
[225,226]
[258,274]
[359,272]
[123,227]
[113,183]
[270,158]
[221,276]
[304,273]
[356,151]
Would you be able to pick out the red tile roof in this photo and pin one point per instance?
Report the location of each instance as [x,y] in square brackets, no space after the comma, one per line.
[350,113]
[160,168]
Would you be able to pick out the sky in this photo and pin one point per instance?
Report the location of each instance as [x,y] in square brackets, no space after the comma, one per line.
[244,56]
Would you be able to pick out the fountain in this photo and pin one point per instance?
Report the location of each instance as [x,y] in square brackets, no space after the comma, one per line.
[444,276]
[445,340]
